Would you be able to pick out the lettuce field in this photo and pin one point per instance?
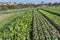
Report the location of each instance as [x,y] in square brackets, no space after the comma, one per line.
[31,24]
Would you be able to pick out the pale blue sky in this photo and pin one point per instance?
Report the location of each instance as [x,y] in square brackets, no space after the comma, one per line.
[30,1]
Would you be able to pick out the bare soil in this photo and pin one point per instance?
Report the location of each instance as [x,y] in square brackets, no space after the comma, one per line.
[3,16]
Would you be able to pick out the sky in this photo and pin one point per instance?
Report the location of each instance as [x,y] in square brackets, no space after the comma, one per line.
[30,1]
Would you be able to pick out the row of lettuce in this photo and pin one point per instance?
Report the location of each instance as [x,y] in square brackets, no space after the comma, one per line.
[42,29]
[28,25]
[17,26]
[53,13]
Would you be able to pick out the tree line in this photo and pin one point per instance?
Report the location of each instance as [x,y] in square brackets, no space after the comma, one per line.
[20,5]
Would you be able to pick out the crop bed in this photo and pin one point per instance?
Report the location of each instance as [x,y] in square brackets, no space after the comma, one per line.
[29,24]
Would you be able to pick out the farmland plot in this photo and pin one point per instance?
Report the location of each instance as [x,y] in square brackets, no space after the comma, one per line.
[28,24]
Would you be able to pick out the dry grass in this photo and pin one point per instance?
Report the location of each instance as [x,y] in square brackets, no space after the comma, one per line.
[3,16]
